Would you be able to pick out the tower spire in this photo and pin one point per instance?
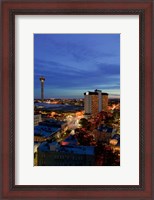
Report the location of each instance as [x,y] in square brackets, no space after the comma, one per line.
[42,79]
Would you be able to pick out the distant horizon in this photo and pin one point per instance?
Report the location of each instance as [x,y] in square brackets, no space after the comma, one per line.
[71,98]
[76,63]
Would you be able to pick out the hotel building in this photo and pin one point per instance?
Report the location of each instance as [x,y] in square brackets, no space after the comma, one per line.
[95,102]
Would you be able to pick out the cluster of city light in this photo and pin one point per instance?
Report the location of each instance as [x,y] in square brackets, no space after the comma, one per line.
[114,106]
[73,121]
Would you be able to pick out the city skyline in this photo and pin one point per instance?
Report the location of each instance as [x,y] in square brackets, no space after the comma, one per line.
[75,63]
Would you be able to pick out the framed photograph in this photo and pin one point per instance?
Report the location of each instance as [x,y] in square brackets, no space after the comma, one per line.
[77,99]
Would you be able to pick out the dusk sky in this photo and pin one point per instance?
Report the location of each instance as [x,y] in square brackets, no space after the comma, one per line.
[76,63]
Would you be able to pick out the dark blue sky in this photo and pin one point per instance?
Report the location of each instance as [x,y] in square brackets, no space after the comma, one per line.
[75,63]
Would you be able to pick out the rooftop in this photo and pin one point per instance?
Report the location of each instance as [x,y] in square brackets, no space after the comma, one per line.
[52,123]
[105,128]
[45,131]
[96,92]
[88,150]
[117,137]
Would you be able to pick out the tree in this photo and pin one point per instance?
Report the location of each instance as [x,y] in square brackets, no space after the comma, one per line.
[84,122]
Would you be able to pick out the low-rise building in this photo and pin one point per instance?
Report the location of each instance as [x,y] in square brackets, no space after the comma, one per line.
[104,133]
[42,133]
[37,119]
[54,154]
[49,129]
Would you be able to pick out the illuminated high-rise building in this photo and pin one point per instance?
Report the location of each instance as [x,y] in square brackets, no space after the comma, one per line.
[95,102]
[42,79]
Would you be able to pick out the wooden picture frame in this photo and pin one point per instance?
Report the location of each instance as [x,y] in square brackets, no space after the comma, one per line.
[12,8]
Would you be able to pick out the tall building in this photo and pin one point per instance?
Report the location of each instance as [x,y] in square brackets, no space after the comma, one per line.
[95,102]
[42,79]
